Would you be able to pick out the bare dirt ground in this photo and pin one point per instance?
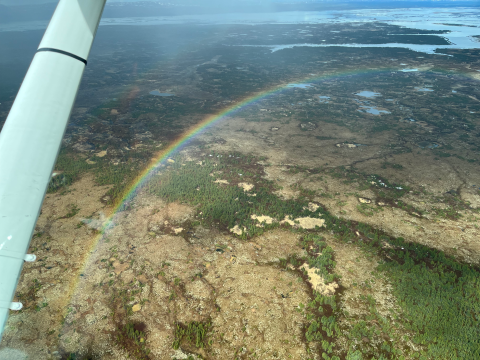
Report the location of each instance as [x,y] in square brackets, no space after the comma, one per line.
[235,285]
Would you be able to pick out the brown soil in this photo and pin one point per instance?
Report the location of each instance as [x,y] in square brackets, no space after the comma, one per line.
[250,301]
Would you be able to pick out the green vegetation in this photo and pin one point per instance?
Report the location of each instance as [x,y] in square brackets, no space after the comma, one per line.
[368,210]
[121,176]
[133,338]
[440,299]
[41,306]
[382,127]
[56,183]
[193,334]
[441,153]
[227,205]
[137,336]
[324,309]
[373,335]
[74,356]
[72,167]
[448,213]
[73,210]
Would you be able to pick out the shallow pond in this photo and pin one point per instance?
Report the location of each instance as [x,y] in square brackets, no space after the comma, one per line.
[368,94]
[301,86]
[373,110]
[423,89]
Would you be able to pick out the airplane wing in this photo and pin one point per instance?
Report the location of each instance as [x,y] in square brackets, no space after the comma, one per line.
[31,137]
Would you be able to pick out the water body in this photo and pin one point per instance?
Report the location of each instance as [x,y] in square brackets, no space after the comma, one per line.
[459,37]
[158,93]
[427,49]
[324,99]
[373,110]
[368,94]
[435,19]
[408,70]
[423,89]
[301,86]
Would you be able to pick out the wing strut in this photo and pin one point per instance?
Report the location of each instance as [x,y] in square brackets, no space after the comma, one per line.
[31,137]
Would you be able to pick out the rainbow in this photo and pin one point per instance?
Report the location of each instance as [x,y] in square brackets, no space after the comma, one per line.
[210,121]
[214,119]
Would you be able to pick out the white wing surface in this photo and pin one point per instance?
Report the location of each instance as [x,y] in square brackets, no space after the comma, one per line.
[31,137]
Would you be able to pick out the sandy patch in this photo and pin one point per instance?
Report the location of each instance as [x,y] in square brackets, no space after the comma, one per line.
[177,230]
[310,223]
[317,282]
[237,231]
[219,181]
[263,218]
[304,222]
[312,207]
[287,220]
[101,154]
[246,186]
